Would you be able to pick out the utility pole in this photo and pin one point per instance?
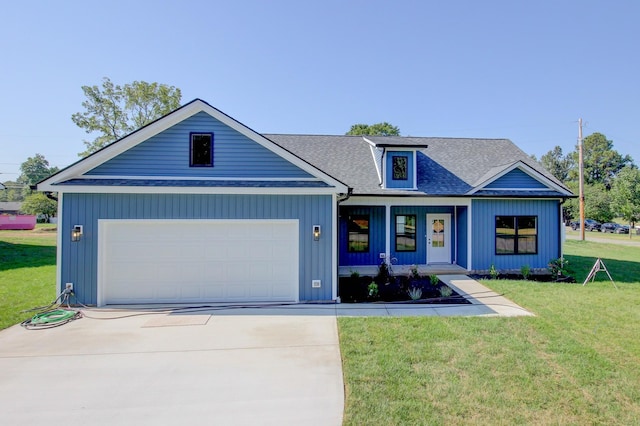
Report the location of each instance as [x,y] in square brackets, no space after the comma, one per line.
[581,178]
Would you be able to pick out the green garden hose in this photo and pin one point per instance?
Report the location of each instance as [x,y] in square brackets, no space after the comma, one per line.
[49,319]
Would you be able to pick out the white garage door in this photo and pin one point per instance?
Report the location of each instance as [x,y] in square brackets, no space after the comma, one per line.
[180,261]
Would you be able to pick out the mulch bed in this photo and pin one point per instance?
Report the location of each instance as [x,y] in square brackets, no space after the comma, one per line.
[395,289]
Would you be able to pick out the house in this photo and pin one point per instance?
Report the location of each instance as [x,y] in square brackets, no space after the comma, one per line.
[10,207]
[197,207]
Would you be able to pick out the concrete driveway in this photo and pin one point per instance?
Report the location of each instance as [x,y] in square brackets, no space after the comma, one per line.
[193,368]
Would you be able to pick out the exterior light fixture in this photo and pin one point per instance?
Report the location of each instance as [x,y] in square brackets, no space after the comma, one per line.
[76,233]
[316,232]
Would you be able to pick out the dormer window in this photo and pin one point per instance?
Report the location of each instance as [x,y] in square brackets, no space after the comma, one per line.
[400,168]
[201,150]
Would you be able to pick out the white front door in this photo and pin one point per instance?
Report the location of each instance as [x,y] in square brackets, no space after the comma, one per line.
[438,238]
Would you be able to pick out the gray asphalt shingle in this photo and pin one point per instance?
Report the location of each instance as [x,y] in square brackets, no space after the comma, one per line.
[447,167]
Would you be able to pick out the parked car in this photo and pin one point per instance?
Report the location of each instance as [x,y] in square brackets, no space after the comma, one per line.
[610,227]
[589,225]
[622,229]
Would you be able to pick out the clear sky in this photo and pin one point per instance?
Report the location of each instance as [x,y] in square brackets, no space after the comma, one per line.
[522,70]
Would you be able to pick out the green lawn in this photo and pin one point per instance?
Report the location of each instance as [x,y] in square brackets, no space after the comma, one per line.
[576,362]
[27,272]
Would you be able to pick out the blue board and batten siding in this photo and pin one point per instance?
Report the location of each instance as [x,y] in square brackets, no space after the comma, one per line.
[234,155]
[484,214]
[516,179]
[80,259]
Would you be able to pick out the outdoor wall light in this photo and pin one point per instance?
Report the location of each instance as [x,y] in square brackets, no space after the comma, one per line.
[316,232]
[76,233]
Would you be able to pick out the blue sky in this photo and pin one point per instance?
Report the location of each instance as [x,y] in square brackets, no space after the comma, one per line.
[520,70]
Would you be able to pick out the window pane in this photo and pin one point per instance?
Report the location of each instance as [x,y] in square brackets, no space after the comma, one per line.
[527,245]
[406,233]
[358,227]
[505,234]
[504,245]
[399,165]
[201,153]
[527,232]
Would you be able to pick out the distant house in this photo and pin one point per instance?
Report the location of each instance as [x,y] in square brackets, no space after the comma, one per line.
[197,207]
[10,207]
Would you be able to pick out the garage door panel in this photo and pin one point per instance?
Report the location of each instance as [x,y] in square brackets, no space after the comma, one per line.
[198,261]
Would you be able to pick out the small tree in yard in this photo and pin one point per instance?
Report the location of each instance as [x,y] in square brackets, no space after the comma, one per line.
[38,204]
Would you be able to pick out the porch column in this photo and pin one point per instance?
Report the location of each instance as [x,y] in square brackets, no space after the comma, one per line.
[387,244]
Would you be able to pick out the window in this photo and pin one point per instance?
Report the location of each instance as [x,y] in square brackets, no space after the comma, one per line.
[201,150]
[400,167]
[516,235]
[358,234]
[406,232]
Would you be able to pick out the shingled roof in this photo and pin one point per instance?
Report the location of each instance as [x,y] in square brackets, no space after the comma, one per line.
[446,166]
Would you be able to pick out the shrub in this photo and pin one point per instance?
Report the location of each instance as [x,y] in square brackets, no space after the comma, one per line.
[558,267]
[384,276]
[493,272]
[413,272]
[373,290]
[434,280]
[415,293]
[355,274]
[525,270]
[445,291]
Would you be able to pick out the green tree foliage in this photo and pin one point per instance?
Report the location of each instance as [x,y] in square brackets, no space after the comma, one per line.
[597,204]
[625,194]
[557,164]
[34,169]
[38,203]
[114,111]
[601,162]
[13,191]
[378,129]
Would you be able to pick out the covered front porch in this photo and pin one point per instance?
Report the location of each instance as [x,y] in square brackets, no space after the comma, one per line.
[430,233]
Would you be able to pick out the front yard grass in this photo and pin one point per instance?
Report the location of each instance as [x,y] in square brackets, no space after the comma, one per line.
[576,362]
[27,272]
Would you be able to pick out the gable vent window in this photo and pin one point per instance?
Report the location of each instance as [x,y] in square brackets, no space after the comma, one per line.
[400,167]
[201,150]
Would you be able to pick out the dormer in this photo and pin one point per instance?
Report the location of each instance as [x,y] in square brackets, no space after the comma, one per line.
[396,161]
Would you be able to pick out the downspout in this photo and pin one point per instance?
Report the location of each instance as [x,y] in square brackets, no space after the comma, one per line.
[560,231]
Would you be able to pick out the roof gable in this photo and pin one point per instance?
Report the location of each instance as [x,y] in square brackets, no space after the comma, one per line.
[516,177]
[152,150]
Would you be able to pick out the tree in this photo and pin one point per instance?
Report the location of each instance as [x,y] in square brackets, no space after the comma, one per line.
[13,191]
[38,204]
[597,203]
[557,164]
[625,194]
[34,169]
[115,111]
[378,129]
[601,162]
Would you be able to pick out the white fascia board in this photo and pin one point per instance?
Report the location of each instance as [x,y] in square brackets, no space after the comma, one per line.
[172,119]
[526,169]
[406,201]
[186,190]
